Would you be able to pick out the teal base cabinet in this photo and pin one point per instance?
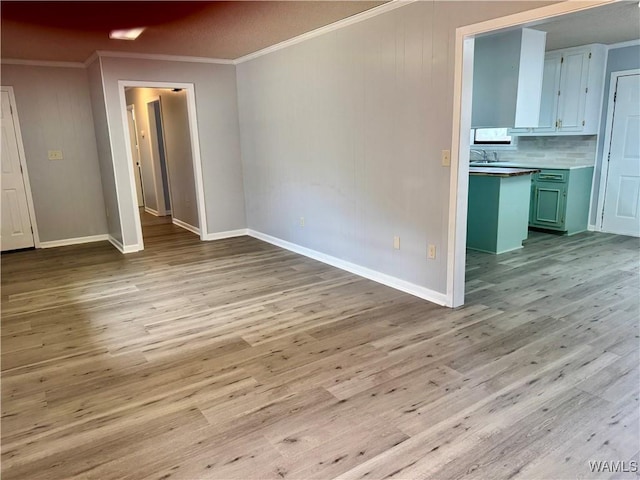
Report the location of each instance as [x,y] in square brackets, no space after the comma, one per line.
[560,200]
[498,212]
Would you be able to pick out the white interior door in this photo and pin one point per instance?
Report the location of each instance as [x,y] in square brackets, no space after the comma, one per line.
[16,223]
[135,153]
[621,213]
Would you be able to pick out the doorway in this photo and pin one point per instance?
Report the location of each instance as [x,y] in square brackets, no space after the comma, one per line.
[461,141]
[166,161]
[18,217]
[621,199]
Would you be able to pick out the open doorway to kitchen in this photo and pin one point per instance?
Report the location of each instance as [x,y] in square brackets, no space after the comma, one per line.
[171,200]
[525,161]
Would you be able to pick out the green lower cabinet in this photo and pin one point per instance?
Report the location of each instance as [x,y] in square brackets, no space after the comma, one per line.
[560,200]
[548,205]
[497,212]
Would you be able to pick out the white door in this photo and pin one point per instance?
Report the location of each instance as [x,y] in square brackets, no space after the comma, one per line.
[135,153]
[16,222]
[621,213]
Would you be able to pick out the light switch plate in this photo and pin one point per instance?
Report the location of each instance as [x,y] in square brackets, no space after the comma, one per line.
[446,158]
[55,154]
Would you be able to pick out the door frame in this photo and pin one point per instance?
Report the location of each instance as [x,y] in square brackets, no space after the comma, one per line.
[131,108]
[460,141]
[195,149]
[164,211]
[23,163]
[604,171]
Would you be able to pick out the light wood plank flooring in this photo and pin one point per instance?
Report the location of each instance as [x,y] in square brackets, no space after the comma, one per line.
[237,360]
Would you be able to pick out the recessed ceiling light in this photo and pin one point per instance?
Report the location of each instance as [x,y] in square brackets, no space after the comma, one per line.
[130,34]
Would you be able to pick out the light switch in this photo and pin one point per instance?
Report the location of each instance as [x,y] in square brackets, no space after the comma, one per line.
[396,243]
[55,155]
[446,158]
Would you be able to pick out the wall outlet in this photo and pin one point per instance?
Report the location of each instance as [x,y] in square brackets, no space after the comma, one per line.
[431,252]
[302,221]
[396,243]
[446,158]
[55,155]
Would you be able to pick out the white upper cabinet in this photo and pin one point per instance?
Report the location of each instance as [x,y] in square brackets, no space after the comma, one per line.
[507,79]
[571,93]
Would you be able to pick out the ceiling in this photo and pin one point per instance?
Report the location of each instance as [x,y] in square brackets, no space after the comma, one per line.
[614,23]
[71,31]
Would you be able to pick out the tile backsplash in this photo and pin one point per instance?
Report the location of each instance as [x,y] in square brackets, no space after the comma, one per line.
[561,150]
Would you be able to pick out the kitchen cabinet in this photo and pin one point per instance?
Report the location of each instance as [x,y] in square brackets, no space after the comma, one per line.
[572,88]
[560,199]
[507,79]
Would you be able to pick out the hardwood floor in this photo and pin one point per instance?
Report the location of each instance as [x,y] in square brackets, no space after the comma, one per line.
[234,360]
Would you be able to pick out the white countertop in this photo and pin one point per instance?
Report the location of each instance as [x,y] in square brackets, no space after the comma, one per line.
[520,164]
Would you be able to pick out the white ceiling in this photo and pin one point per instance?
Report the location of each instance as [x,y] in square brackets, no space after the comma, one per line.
[73,30]
[614,23]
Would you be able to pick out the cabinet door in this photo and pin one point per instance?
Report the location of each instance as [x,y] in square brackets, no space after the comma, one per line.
[549,204]
[550,89]
[574,74]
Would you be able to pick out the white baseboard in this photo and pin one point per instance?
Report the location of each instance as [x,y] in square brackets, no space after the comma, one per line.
[591,228]
[151,211]
[228,234]
[123,249]
[185,225]
[74,241]
[383,278]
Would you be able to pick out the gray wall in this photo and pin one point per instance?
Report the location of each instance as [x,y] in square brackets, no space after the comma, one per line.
[625,58]
[346,130]
[54,108]
[114,227]
[218,129]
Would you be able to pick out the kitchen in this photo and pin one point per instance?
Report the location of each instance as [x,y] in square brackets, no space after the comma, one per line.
[542,123]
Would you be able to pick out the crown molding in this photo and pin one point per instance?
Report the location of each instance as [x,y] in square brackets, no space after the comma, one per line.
[359,17]
[167,58]
[630,43]
[41,63]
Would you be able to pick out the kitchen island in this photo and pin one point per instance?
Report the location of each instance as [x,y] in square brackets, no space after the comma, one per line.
[498,209]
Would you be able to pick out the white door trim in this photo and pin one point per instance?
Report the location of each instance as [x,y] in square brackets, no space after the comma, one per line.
[462,92]
[606,146]
[23,164]
[195,147]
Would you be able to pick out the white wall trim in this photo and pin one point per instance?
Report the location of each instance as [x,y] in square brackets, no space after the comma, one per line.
[228,234]
[151,211]
[42,63]
[462,95]
[606,146]
[629,43]
[383,278]
[162,57]
[156,167]
[359,17]
[124,249]
[186,226]
[195,147]
[74,241]
[23,163]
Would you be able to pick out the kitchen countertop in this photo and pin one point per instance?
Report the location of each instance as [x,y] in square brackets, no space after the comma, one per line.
[498,171]
[546,166]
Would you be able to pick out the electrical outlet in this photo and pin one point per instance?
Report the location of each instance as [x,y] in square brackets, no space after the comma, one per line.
[302,221]
[431,252]
[446,158]
[396,243]
[55,155]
